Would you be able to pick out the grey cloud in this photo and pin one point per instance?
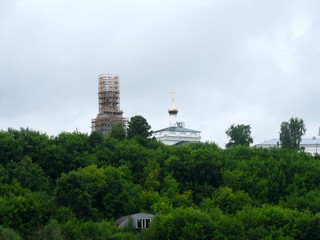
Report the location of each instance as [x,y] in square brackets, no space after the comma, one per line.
[252,62]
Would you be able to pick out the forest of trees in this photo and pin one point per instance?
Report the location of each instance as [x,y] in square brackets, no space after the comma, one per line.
[75,185]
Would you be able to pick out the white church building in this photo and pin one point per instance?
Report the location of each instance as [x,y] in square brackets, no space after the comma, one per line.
[176,133]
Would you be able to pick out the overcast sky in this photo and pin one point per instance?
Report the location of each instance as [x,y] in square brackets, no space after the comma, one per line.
[229,62]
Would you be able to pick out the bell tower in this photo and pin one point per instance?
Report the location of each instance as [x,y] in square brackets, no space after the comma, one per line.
[109,104]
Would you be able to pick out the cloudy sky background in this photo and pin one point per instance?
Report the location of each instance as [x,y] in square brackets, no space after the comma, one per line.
[229,62]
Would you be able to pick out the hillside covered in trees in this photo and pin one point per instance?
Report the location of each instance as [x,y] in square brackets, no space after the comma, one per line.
[75,185]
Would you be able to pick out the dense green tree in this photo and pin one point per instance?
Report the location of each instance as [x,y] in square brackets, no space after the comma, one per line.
[79,190]
[4,176]
[11,148]
[196,191]
[196,168]
[95,139]
[171,190]
[118,132]
[107,152]
[93,193]
[226,226]
[133,155]
[256,187]
[69,151]
[309,201]
[181,224]
[121,196]
[273,222]
[291,133]
[138,127]
[227,200]
[152,174]
[313,229]
[23,210]
[8,234]
[74,230]
[27,142]
[239,135]
[30,175]
[51,231]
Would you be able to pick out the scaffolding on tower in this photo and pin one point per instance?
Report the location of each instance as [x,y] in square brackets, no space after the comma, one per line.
[109,105]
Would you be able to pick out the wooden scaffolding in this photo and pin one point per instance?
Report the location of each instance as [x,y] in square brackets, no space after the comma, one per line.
[109,104]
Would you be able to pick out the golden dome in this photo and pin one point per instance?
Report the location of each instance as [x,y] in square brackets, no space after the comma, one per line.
[173,109]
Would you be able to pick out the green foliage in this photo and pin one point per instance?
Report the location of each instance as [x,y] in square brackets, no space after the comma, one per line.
[80,189]
[93,193]
[71,151]
[291,133]
[121,196]
[181,224]
[118,132]
[239,135]
[138,127]
[195,168]
[11,148]
[226,226]
[273,222]
[74,230]
[170,190]
[15,144]
[313,230]
[30,175]
[148,200]
[95,139]
[152,174]
[8,234]
[23,210]
[308,201]
[4,176]
[106,152]
[52,231]
[133,155]
[74,185]
[227,200]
